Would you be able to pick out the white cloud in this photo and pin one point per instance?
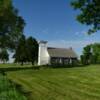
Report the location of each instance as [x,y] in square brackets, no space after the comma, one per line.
[73,44]
[84,32]
[76,45]
[77,33]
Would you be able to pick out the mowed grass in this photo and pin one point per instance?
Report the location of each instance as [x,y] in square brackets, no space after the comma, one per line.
[8,90]
[13,65]
[80,83]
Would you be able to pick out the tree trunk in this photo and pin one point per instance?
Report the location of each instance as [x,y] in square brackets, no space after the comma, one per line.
[22,63]
[32,63]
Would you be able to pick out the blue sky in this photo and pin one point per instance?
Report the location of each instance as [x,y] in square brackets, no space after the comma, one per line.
[54,21]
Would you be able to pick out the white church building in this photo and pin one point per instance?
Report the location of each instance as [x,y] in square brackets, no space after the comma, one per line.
[55,56]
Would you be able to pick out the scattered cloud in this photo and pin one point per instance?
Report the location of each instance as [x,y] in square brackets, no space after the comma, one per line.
[76,45]
[84,32]
[73,44]
[43,31]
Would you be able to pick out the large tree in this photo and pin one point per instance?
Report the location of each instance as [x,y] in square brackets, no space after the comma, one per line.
[27,50]
[96,52]
[89,13]
[32,50]
[91,54]
[11,24]
[87,55]
[21,51]
[4,56]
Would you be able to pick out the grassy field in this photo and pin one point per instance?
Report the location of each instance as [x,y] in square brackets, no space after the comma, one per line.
[8,90]
[14,65]
[80,83]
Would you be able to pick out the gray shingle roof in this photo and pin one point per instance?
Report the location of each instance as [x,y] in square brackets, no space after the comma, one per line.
[61,52]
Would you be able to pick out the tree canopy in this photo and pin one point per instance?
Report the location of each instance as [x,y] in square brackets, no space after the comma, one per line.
[26,51]
[89,13]
[4,56]
[21,51]
[86,57]
[32,50]
[11,24]
[91,54]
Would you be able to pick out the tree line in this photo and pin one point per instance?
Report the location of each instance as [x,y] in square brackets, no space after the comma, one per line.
[26,50]
[91,54]
[11,35]
[4,56]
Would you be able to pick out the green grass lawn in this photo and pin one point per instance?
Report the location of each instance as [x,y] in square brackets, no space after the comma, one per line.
[80,83]
[14,65]
[8,90]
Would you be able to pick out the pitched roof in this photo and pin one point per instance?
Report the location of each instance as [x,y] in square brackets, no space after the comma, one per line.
[61,52]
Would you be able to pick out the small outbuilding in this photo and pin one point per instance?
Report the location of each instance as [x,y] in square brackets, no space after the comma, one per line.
[55,56]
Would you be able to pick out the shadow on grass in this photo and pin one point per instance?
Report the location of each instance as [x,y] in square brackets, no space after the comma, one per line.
[10,89]
[4,70]
[21,89]
[62,66]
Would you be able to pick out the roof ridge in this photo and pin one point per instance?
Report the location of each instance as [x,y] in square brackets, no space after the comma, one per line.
[59,48]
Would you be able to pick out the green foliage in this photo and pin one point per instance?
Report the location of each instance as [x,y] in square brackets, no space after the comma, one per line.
[32,49]
[93,59]
[21,51]
[87,54]
[96,51]
[91,54]
[8,90]
[27,50]
[11,24]
[4,56]
[89,13]
[83,60]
